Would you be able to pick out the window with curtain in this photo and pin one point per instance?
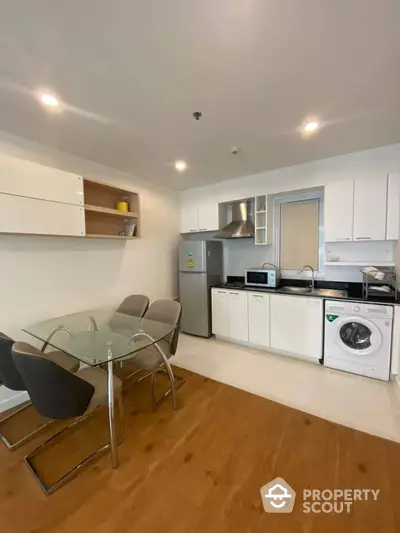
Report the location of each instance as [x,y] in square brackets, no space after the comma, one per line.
[299,240]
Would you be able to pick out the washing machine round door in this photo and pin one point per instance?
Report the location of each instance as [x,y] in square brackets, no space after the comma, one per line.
[358,336]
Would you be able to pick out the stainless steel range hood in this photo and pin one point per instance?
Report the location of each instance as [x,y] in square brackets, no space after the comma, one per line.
[241,226]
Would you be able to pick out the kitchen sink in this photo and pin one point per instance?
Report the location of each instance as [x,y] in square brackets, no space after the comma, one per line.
[330,293]
[326,293]
[296,290]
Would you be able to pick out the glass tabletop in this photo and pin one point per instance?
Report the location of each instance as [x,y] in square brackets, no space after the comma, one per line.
[100,335]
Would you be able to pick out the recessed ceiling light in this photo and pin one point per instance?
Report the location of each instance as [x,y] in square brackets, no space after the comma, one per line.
[311,126]
[49,100]
[180,166]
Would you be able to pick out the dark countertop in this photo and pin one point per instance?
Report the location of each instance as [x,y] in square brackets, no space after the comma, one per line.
[354,290]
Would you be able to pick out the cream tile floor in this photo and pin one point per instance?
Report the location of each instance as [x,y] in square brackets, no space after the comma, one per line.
[365,404]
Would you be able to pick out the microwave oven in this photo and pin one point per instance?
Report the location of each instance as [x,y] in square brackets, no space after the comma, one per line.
[262,277]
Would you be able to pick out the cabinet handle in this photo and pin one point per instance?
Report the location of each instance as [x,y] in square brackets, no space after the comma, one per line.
[221,292]
[362,238]
[343,238]
[235,293]
[202,229]
[257,296]
[191,230]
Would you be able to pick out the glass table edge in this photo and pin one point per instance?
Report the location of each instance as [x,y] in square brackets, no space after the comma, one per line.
[92,364]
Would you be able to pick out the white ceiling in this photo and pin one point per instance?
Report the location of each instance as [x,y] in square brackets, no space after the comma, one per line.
[132,72]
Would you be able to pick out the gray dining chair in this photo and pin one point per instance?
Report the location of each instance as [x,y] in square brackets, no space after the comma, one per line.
[59,394]
[134,305]
[155,358]
[12,379]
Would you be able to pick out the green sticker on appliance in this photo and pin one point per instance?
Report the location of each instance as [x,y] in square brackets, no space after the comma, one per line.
[331,318]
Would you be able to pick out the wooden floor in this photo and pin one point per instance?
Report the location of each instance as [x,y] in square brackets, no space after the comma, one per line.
[201,468]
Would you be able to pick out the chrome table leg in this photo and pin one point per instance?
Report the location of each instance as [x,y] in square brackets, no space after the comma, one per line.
[111,409]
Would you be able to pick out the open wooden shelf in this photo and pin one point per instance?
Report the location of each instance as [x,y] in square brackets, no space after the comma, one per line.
[122,237]
[102,218]
[112,212]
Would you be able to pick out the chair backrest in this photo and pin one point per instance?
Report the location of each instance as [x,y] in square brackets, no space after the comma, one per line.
[9,374]
[54,392]
[133,305]
[169,312]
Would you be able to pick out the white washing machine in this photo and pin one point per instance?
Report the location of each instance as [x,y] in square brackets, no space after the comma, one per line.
[358,338]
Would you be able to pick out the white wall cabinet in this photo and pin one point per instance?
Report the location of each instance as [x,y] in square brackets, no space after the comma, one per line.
[259,318]
[296,325]
[238,314]
[370,207]
[189,218]
[208,216]
[339,199]
[364,209]
[229,314]
[393,207]
[23,178]
[220,312]
[40,217]
[199,217]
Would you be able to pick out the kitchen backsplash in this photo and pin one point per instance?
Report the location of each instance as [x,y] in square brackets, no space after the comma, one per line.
[240,254]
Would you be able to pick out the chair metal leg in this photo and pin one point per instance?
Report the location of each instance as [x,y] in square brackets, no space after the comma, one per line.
[175,385]
[133,374]
[178,381]
[153,390]
[13,446]
[49,489]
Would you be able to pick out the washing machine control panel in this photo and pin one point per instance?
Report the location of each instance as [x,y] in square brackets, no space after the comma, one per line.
[367,310]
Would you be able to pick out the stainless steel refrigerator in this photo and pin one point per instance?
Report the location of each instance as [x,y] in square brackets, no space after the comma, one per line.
[200,268]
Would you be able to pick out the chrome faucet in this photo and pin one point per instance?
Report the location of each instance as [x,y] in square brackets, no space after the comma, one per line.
[312,275]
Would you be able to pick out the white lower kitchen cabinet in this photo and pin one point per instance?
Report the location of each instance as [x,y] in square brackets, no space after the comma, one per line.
[220,312]
[296,325]
[238,314]
[259,317]
[230,315]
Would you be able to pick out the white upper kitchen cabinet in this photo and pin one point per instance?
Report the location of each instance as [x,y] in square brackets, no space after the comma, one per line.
[239,318]
[23,178]
[393,207]
[19,214]
[258,305]
[339,198]
[370,207]
[208,216]
[189,218]
[296,325]
[220,312]
[201,216]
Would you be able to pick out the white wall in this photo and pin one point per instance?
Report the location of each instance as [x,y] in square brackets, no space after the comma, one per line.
[43,277]
[243,254]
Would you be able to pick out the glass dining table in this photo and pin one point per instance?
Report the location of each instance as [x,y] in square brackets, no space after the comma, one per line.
[101,337]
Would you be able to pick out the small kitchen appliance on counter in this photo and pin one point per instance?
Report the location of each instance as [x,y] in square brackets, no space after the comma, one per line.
[262,277]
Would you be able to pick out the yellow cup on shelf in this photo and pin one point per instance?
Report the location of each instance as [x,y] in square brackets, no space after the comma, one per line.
[123,206]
